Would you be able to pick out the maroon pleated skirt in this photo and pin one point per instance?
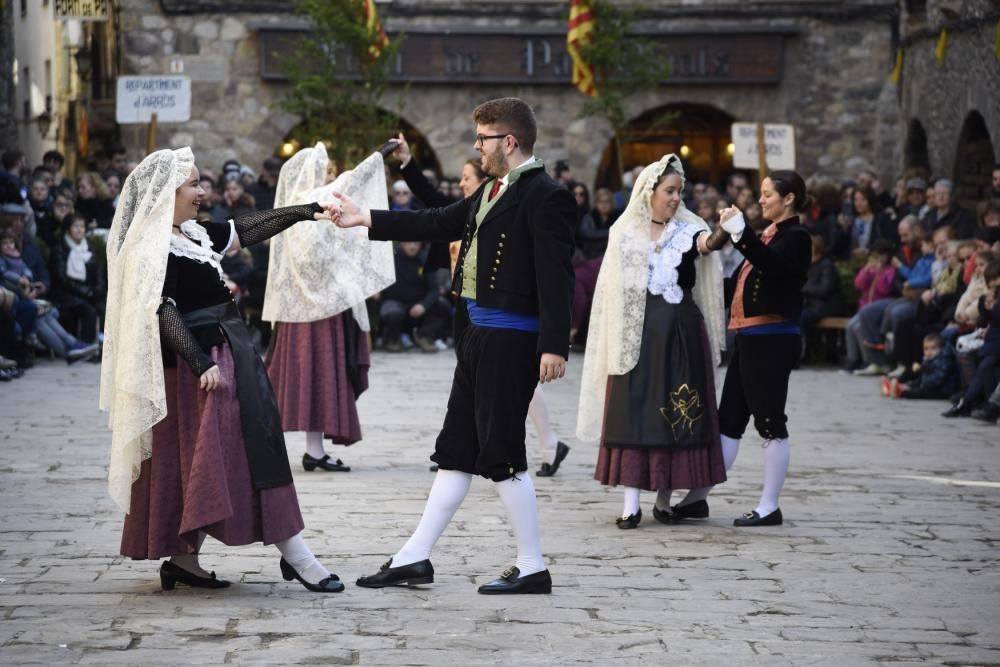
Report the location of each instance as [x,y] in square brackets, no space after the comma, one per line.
[309,373]
[198,478]
[665,467]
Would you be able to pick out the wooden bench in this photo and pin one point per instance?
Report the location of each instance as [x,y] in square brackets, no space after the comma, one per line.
[833,323]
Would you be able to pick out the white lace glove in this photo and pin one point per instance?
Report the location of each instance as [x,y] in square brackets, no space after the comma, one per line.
[735,226]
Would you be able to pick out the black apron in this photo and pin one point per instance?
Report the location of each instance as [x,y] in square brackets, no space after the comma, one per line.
[259,416]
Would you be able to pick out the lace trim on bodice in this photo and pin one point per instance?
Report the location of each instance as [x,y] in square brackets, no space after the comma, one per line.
[665,255]
[197,245]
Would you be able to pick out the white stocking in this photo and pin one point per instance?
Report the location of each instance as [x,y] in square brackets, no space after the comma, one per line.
[190,562]
[518,497]
[776,456]
[446,496]
[538,410]
[296,553]
[314,444]
[730,448]
[631,502]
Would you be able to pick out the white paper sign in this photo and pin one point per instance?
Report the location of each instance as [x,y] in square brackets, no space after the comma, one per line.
[779,146]
[139,97]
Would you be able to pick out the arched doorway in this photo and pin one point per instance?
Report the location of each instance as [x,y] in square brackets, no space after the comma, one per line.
[915,154]
[974,160]
[699,133]
[303,135]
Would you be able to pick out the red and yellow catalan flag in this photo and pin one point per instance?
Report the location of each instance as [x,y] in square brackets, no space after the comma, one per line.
[581,27]
[379,39]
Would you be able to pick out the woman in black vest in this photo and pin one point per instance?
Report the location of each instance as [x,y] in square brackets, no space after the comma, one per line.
[765,313]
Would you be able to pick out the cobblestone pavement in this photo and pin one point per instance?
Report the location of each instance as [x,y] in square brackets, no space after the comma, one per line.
[888,554]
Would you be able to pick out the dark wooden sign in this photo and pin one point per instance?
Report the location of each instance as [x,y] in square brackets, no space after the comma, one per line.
[526,58]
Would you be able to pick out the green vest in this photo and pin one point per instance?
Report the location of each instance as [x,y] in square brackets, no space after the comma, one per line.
[470,264]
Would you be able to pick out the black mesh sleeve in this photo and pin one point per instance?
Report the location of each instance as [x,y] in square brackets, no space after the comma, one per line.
[262,225]
[717,239]
[174,333]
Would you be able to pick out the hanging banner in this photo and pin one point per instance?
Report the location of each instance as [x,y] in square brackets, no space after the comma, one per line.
[83,10]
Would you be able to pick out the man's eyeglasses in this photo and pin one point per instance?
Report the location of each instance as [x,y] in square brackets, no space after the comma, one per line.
[481,138]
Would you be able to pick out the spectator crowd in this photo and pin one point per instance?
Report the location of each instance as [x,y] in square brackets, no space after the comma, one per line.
[904,284]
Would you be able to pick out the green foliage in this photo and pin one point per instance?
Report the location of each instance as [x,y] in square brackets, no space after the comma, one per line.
[338,89]
[624,63]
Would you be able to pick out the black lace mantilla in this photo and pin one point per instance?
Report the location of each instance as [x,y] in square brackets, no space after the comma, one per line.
[261,225]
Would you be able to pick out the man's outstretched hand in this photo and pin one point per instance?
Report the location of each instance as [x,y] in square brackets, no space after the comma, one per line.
[345,213]
[551,368]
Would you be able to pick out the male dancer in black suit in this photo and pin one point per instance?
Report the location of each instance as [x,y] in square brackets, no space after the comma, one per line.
[515,279]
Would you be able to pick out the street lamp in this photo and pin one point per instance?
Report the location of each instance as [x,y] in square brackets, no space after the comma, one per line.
[84,62]
[44,121]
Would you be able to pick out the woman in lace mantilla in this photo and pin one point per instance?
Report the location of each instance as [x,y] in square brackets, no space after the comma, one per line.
[197,447]
[652,359]
[318,279]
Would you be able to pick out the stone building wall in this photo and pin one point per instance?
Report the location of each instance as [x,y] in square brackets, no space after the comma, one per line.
[834,86]
[941,96]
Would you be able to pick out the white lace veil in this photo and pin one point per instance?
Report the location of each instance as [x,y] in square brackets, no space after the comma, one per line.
[132,388]
[619,305]
[316,269]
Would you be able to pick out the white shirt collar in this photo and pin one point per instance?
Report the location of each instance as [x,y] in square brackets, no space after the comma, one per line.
[503,180]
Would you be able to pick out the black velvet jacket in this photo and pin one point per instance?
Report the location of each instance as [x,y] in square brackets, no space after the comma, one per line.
[524,247]
[779,269]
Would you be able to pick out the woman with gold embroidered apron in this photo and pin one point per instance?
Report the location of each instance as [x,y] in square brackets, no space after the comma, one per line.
[655,334]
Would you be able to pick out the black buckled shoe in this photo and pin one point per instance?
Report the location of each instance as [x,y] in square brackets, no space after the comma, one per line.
[171,575]
[664,516]
[550,469]
[310,464]
[331,584]
[959,409]
[754,519]
[630,521]
[695,510]
[414,574]
[511,582]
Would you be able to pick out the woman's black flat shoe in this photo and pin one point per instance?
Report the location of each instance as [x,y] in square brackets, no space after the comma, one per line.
[331,584]
[310,464]
[629,522]
[171,575]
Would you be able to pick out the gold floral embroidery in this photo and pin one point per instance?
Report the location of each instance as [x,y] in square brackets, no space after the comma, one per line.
[685,409]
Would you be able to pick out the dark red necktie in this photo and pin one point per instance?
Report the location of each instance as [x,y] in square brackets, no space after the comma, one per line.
[495,189]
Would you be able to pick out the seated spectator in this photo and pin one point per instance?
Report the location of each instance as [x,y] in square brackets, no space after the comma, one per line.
[55,162]
[821,291]
[14,218]
[113,180]
[916,279]
[870,224]
[988,214]
[946,212]
[10,342]
[237,265]
[13,189]
[592,241]
[40,201]
[211,200]
[402,197]
[79,286]
[987,356]
[582,196]
[868,180]
[916,199]
[990,411]
[874,282]
[93,201]
[413,301]
[263,190]
[18,278]
[936,377]
[967,309]
[235,200]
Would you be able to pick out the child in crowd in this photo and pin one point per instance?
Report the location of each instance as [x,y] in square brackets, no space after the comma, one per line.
[936,377]
[17,277]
